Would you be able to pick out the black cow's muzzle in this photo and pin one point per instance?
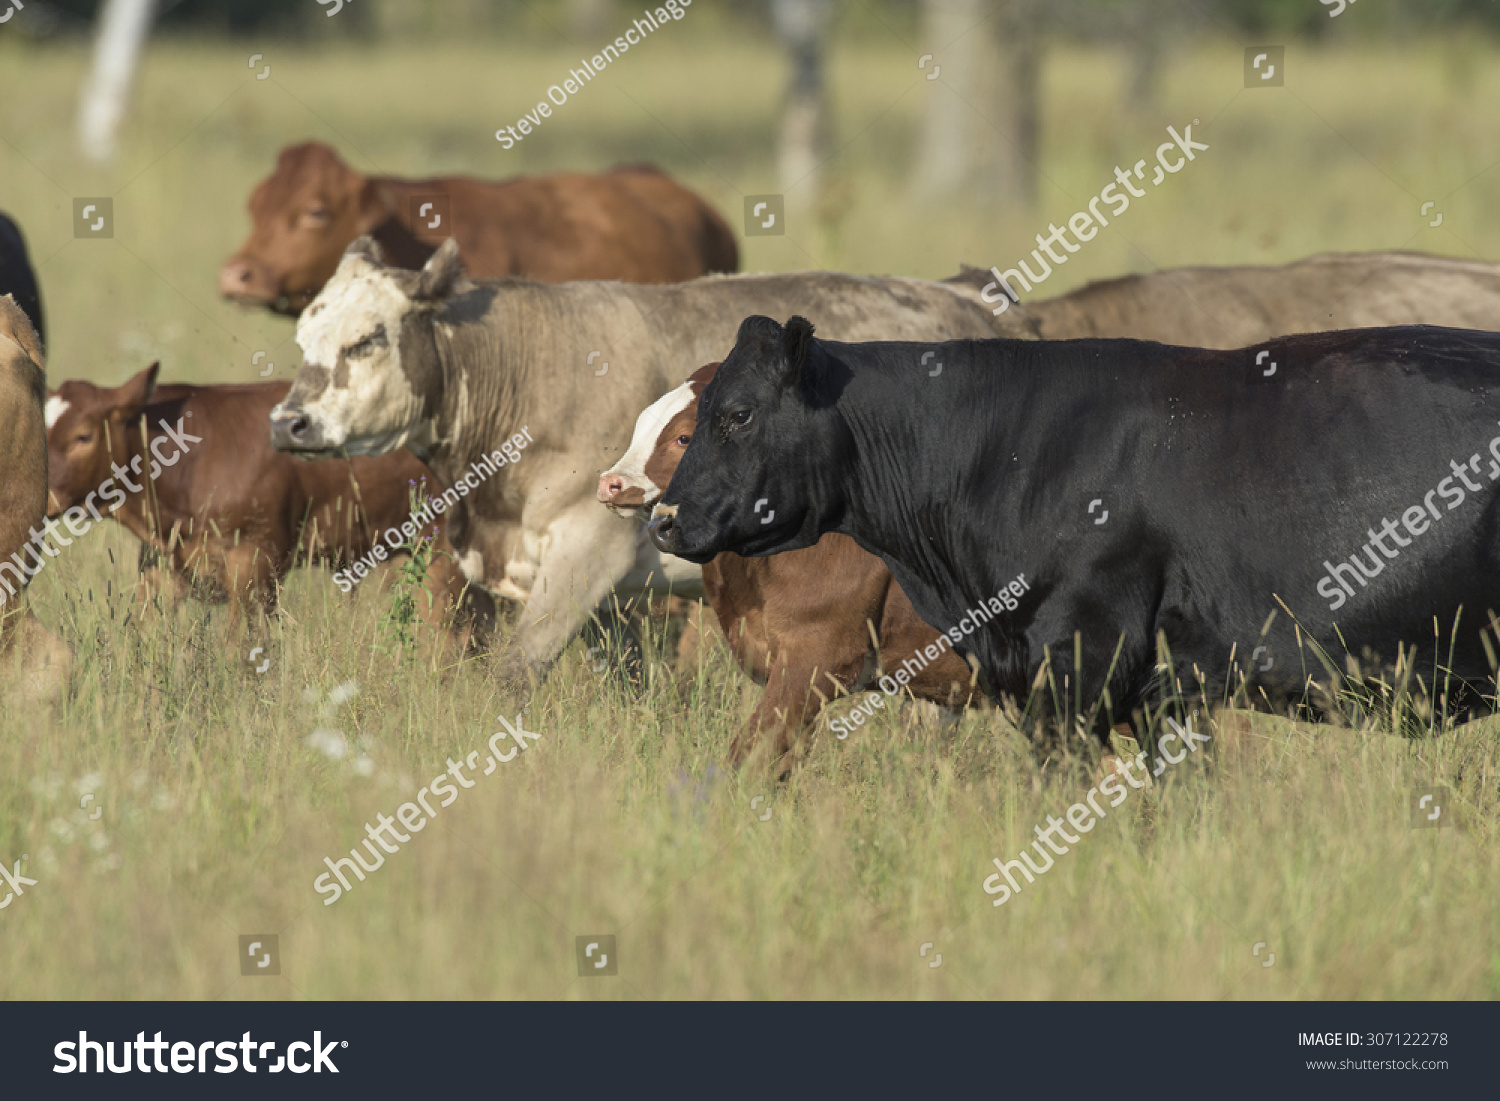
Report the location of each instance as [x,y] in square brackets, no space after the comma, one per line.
[663,529]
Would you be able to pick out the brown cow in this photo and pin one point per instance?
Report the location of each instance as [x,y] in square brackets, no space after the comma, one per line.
[633,224]
[25,645]
[808,624]
[204,490]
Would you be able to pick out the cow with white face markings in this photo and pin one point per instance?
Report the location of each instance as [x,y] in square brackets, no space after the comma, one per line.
[451,368]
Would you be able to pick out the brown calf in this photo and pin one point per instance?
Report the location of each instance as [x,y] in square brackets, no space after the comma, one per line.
[633,224]
[808,624]
[203,489]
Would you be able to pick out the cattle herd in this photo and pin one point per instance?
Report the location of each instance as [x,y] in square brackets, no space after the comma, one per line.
[1151,490]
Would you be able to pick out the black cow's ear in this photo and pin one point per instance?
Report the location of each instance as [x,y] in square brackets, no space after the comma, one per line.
[796,341]
[442,270]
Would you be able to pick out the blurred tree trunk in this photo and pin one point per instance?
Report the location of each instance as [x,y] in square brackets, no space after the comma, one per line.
[123,26]
[802,26]
[403,19]
[588,19]
[981,124]
[1146,36]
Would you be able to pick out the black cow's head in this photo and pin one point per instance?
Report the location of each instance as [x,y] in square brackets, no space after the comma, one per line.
[762,473]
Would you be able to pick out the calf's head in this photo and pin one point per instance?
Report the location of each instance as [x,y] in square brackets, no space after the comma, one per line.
[303,217]
[86,427]
[371,379]
[662,433]
[762,472]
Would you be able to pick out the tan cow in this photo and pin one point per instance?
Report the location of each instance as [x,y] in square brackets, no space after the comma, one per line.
[448,368]
[1235,307]
[27,649]
[635,224]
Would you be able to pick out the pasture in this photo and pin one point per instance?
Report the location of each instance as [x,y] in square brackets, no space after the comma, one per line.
[216,812]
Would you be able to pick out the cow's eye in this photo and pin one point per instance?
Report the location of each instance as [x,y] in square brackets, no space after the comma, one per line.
[740,417]
[317,215]
[367,345]
[83,437]
[683,441]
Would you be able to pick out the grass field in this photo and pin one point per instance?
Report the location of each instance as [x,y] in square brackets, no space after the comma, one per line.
[216,813]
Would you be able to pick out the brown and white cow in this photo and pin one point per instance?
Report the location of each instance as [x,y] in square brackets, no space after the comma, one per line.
[809,624]
[203,490]
[633,223]
[27,649]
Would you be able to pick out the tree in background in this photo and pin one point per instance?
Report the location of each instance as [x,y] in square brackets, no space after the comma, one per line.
[802,27]
[980,128]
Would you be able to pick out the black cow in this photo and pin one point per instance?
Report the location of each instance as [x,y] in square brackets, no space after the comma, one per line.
[1132,488]
[16,277]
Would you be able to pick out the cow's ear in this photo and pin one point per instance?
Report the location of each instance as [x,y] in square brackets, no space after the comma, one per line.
[366,248]
[13,320]
[442,270]
[796,342]
[132,395]
[377,204]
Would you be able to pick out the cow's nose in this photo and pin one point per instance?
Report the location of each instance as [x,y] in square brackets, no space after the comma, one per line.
[610,487]
[291,429]
[238,279]
[663,532]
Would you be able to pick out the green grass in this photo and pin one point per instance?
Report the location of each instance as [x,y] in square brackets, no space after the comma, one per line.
[217,814]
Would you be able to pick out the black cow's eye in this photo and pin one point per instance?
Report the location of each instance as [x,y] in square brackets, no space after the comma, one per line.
[740,418]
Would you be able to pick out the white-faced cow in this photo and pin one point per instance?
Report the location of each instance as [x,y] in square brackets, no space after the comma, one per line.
[450,368]
[1144,492]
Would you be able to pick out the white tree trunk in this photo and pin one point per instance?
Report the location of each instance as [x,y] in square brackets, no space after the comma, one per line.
[123,25]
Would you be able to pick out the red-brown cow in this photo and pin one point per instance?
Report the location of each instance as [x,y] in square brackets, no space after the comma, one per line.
[808,624]
[633,224]
[203,490]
